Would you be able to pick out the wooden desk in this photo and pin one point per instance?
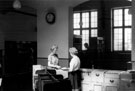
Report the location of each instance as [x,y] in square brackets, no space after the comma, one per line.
[44,76]
[44,79]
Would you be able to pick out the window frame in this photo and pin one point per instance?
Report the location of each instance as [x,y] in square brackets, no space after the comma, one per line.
[89,28]
[123,27]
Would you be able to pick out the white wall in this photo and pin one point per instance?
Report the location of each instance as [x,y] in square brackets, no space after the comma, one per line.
[53,34]
[58,33]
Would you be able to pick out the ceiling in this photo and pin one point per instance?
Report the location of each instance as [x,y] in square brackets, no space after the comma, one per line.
[7,6]
[33,5]
[37,3]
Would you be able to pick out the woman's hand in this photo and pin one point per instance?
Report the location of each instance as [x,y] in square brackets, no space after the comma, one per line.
[65,69]
[58,67]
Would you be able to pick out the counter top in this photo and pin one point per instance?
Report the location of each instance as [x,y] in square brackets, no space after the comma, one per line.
[123,74]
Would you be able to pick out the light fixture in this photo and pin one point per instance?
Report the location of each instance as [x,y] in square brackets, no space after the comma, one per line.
[16,4]
[130,0]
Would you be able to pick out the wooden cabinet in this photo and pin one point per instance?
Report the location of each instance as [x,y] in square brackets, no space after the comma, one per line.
[86,86]
[86,76]
[86,80]
[107,80]
[97,79]
[97,87]
[127,82]
[111,88]
[97,76]
[111,81]
[92,80]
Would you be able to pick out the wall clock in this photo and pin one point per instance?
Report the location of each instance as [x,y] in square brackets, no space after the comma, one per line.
[50,17]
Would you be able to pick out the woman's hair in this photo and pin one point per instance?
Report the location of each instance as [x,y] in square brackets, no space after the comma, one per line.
[73,50]
[54,47]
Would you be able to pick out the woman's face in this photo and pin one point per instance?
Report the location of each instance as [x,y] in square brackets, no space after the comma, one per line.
[71,54]
[55,50]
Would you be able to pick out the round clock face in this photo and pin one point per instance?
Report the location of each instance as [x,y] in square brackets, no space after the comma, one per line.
[50,18]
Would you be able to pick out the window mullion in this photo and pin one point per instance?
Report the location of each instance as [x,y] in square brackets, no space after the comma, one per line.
[80,23]
[113,29]
[89,25]
[123,29]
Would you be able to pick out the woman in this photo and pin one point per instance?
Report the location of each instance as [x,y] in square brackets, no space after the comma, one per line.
[75,61]
[74,66]
[53,59]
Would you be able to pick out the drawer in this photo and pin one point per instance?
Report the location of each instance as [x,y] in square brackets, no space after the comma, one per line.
[125,75]
[126,89]
[112,75]
[111,88]
[97,87]
[112,81]
[86,86]
[97,77]
[86,76]
[127,85]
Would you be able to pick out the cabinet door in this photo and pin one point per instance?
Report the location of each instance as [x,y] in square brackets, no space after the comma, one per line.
[111,88]
[97,87]
[86,77]
[127,85]
[86,86]
[97,77]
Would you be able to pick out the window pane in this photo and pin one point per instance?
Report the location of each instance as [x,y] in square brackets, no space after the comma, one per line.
[93,32]
[127,38]
[118,39]
[118,17]
[76,20]
[127,18]
[85,38]
[85,20]
[94,19]
[122,35]
[76,32]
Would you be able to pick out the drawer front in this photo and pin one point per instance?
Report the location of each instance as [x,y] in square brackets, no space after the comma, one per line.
[125,76]
[126,89]
[97,77]
[97,87]
[86,86]
[112,75]
[127,85]
[112,81]
[111,88]
[86,76]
